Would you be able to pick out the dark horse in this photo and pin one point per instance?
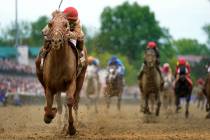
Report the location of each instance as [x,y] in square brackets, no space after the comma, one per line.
[183,89]
[206,91]
[150,83]
[60,71]
[114,86]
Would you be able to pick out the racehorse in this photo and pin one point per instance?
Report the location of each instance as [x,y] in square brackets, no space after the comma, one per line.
[150,83]
[92,86]
[182,89]
[114,86]
[207,93]
[168,91]
[60,71]
[199,96]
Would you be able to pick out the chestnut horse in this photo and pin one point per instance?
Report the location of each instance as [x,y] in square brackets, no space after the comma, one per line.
[60,71]
[150,83]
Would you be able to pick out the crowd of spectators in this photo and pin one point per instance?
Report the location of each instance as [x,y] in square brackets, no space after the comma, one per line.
[20,85]
[10,66]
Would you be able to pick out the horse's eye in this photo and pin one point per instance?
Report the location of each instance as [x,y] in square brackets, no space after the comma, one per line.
[60,40]
[50,24]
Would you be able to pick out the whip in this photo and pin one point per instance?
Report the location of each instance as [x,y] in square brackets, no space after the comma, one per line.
[60,5]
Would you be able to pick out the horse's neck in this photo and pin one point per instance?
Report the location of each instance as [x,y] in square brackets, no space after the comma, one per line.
[59,56]
[150,71]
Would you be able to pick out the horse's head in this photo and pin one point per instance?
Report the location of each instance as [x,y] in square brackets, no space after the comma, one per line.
[112,73]
[58,27]
[150,58]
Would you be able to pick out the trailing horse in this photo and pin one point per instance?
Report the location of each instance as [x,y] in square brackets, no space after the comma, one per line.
[114,86]
[150,83]
[207,93]
[168,91]
[183,89]
[92,86]
[60,71]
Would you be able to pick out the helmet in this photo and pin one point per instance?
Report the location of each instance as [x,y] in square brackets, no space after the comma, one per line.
[151,44]
[200,81]
[71,13]
[90,59]
[181,61]
[114,58]
[165,67]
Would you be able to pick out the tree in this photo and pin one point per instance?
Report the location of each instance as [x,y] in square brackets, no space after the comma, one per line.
[36,37]
[9,33]
[191,46]
[127,28]
[206,28]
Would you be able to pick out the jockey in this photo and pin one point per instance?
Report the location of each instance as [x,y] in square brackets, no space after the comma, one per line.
[207,66]
[183,67]
[93,61]
[152,45]
[117,62]
[74,33]
[166,70]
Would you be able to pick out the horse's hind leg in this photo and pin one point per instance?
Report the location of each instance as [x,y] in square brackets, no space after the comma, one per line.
[49,111]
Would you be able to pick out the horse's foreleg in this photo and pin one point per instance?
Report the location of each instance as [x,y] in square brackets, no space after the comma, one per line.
[119,102]
[49,111]
[146,107]
[59,103]
[177,103]
[187,107]
[158,105]
[70,102]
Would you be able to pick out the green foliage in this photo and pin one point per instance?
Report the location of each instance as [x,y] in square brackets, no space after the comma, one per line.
[206,28]
[36,38]
[126,29]
[191,46]
[8,34]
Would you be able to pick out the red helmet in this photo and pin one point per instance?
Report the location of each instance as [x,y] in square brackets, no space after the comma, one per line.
[182,61]
[166,68]
[151,44]
[71,13]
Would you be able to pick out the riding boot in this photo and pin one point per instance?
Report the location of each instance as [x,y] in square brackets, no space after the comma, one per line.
[80,45]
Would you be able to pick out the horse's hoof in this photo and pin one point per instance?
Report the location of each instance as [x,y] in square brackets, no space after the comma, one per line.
[208,116]
[187,115]
[47,119]
[49,115]
[72,130]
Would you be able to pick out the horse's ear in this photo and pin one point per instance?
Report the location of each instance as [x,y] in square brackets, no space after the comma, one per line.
[54,13]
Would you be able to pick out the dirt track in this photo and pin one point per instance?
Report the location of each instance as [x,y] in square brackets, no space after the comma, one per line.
[26,122]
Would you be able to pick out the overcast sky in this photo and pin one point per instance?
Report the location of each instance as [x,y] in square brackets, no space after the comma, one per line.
[184,18]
